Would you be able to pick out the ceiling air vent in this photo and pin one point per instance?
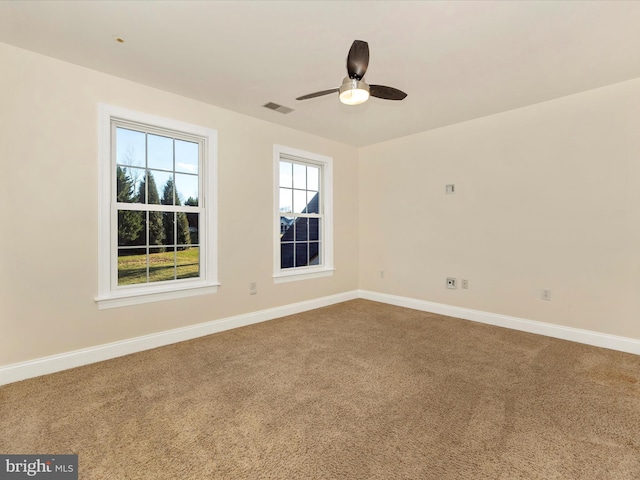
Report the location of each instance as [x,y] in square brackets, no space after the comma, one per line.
[278,108]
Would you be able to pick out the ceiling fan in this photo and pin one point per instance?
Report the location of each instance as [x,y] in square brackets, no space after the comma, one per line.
[354,90]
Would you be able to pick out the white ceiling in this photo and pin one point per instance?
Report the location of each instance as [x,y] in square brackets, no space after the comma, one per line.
[456,60]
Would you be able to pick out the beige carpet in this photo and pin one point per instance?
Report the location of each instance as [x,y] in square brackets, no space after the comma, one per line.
[358,390]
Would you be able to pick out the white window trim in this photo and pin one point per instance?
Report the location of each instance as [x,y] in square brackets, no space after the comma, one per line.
[304,273]
[110,296]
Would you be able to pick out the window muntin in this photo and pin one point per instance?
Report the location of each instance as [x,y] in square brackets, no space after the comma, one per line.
[303,207]
[157,208]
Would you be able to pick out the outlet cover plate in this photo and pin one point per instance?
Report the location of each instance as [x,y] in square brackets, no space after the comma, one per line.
[451,282]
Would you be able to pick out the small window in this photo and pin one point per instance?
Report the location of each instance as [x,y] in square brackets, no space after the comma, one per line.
[157,205]
[303,215]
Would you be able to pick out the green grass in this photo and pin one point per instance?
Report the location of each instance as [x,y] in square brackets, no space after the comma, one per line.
[132,269]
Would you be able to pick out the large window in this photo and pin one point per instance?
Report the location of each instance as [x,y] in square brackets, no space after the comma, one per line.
[157,208]
[303,215]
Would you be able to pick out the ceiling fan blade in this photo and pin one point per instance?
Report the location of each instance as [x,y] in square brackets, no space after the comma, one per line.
[317,94]
[358,59]
[388,93]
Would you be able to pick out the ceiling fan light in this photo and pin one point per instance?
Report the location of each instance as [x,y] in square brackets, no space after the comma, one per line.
[353,92]
[354,96]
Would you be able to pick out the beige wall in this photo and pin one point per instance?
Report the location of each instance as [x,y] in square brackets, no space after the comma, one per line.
[547,196]
[48,141]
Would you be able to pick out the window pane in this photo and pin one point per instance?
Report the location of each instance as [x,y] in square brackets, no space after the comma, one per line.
[286,255]
[312,203]
[183,234]
[188,262]
[163,181]
[167,191]
[313,175]
[286,174]
[148,191]
[314,229]
[302,230]
[137,176]
[156,229]
[168,224]
[301,254]
[161,264]
[186,156]
[160,151]
[128,184]
[286,231]
[187,188]
[193,220]
[299,176]
[314,253]
[130,148]
[299,201]
[132,228]
[286,200]
[132,266]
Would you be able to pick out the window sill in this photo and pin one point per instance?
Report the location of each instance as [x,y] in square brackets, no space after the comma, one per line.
[125,298]
[302,275]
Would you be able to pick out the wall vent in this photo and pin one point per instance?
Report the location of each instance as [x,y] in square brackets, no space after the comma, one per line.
[278,108]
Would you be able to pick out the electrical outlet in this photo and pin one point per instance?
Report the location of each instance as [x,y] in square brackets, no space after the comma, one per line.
[451,282]
[449,189]
[546,294]
[381,273]
[253,288]
[464,283]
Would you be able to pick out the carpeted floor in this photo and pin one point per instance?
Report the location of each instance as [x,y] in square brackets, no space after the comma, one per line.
[359,390]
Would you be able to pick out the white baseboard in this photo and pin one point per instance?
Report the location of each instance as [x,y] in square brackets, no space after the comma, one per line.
[56,363]
[588,337]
